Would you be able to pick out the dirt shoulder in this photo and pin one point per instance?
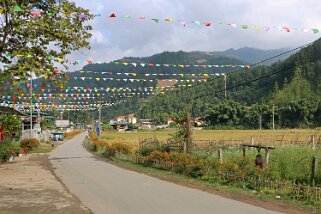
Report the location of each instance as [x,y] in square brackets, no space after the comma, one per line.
[28,185]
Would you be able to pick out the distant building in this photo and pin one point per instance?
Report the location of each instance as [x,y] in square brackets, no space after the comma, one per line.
[121,119]
[131,119]
[170,120]
[147,123]
[199,121]
[120,126]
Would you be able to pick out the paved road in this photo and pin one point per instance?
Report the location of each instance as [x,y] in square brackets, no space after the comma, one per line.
[105,188]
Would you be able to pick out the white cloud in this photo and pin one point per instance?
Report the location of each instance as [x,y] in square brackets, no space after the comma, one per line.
[121,37]
[98,38]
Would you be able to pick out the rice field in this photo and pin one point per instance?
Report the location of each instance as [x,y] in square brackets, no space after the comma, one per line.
[264,137]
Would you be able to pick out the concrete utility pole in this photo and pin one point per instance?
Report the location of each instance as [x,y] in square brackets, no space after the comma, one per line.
[99,119]
[273,123]
[30,134]
[225,87]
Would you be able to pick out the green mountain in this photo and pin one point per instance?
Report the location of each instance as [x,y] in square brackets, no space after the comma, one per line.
[294,82]
[253,55]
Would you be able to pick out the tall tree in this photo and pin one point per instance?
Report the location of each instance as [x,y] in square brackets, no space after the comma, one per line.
[37,35]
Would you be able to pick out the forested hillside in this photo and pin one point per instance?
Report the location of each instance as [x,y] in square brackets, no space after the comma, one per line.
[292,86]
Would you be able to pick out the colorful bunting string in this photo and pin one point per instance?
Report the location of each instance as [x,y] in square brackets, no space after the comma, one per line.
[184,23]
[286,29]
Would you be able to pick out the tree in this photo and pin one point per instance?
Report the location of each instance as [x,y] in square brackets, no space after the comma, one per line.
[36,35]
[12,124]
[183,136]
[228,113]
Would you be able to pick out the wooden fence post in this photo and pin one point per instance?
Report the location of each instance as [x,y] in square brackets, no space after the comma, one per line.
[220,154]
[313,142]
[252,142]
[313,170]
[267,156]
[244,151]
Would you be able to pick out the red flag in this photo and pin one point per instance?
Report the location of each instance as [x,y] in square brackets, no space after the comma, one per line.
[113,15]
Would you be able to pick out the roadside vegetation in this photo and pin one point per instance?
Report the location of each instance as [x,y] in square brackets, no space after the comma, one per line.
[287,176]
[9,149]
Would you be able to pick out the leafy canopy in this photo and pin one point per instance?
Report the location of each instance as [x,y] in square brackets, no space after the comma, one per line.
[37,35]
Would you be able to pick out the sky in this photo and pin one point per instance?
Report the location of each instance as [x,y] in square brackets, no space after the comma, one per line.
[120,37]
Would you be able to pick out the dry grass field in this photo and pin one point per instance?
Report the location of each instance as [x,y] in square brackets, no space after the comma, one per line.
[277,137]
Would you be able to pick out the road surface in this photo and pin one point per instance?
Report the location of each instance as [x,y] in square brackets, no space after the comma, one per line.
[105,188]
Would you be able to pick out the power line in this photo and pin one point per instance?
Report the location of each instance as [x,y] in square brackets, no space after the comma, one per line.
[245,69]
[253,80]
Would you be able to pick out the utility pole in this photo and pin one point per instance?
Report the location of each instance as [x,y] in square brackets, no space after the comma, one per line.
[273,125]
[99,120]
[225,87]
[30,134]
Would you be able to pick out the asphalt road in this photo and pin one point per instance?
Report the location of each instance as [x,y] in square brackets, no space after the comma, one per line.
[105,188]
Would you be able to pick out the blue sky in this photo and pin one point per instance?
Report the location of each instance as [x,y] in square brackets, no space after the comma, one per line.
[116,38]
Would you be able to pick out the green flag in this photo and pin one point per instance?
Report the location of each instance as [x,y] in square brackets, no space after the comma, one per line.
[17,9]
[315,30]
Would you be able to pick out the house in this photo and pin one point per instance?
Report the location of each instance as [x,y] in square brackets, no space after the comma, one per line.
[170,120]
[199,121]
[147,123]
[119,125]
[121,119]
[131,119]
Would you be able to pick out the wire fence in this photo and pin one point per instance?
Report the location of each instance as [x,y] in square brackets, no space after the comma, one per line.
[279,188]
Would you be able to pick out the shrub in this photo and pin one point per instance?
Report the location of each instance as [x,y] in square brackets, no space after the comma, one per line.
[157,156]
[30,143]
[69,135]
[7,149]
[117,148]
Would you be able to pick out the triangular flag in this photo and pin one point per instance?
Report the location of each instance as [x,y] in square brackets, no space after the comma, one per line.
[17,9]
[315,30]
[197,22]
[207,24]
[1,10]
[36,13]
[287,29]
[82,16]
[113,15]
[266,28]
[169,20]
[156,20]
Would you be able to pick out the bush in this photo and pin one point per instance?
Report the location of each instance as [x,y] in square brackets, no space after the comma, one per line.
[7,149]
[30,143]
[117,148]
[69,135]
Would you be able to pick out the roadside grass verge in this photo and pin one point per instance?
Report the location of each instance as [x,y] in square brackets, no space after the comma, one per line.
[261,199]
[43,148]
